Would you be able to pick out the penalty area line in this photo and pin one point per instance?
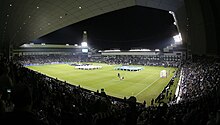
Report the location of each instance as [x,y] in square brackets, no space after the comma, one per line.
[146,87]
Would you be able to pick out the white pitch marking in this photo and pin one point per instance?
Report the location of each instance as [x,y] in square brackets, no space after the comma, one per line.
[147,87]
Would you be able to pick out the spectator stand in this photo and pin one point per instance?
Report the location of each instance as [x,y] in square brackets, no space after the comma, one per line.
[128,68]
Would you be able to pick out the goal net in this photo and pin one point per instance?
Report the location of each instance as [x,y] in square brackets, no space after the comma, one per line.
[163,74]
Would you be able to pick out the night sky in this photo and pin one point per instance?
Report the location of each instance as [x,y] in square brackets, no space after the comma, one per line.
[133,27]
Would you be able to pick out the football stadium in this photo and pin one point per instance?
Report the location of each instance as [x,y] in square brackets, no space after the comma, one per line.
[144,85]
[116,62]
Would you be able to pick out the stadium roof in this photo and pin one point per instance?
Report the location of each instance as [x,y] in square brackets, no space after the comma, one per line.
[26,20]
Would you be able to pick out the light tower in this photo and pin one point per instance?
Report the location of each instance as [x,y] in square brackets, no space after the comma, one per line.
[84,36]
[84,41]
[84,45]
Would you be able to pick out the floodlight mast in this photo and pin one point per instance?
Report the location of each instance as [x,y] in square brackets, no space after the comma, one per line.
[84,36]
[178,38]
[84,42]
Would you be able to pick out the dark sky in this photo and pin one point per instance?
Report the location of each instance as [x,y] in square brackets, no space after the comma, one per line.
[133,27]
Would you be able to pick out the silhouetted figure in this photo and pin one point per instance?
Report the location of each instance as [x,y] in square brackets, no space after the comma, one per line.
[119,75]
[144,103]
[5,82]
[132,114]
[152,102]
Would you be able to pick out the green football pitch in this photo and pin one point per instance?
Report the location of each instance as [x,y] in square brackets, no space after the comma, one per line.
[144,85]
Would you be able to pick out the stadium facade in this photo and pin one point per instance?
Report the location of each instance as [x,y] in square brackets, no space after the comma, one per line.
[52,49]
[49,49]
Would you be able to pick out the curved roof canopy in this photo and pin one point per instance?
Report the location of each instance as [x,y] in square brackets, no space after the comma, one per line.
[26,20]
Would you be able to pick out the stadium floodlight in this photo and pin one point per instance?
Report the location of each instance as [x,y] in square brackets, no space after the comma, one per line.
[100,51]
[67,44]
[25,45]
[139,50]
[75,44]
[174,23]
[31,44]
[84,44]
[115,50]
[170,12]
[177,38]
[43,44]
[157,50]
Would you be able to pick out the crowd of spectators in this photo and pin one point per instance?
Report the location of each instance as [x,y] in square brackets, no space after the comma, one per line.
[44,100]
[56,102]
[48,59]
[138,60]
[199,96]
[124,60]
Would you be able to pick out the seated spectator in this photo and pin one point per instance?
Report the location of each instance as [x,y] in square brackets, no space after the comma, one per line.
[5,79]
[131,114]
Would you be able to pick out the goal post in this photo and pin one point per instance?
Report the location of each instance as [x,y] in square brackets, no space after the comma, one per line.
[163,74]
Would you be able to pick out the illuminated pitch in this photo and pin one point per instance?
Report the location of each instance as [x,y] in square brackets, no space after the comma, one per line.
[144,84]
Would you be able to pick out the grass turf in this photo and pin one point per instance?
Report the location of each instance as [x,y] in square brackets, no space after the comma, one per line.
[144,85]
